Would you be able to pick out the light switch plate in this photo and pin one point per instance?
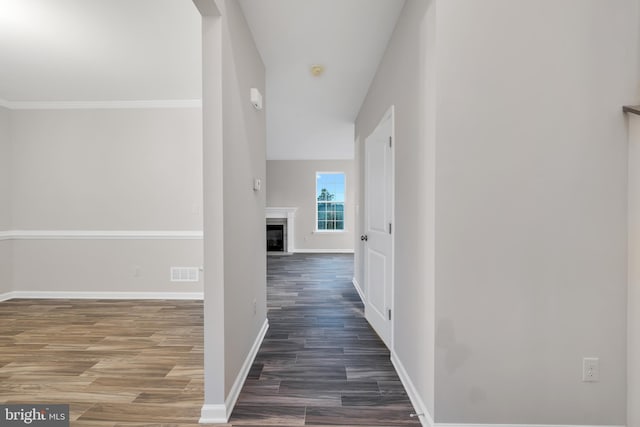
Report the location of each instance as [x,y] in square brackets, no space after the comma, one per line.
[590,369]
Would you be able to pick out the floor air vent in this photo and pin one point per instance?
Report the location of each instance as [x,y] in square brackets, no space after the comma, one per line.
[185,274]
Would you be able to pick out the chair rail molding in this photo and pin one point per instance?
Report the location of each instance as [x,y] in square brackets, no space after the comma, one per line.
[101,235]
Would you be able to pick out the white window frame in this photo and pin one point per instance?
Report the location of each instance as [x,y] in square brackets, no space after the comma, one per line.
[315,206]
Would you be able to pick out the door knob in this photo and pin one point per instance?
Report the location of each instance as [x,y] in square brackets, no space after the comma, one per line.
[364,238]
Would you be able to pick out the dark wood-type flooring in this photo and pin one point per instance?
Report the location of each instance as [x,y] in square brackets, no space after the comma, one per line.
[139,363]
[320,363]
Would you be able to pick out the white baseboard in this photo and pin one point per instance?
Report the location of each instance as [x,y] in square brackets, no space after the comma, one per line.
[427,420]
[518,425]
[219,414]
[358,289]
[213,414]
[6,296]
[323,251]
[418,404]
[231,400]
[103,295]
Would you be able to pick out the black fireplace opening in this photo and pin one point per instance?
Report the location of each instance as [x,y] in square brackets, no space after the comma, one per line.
[275,237]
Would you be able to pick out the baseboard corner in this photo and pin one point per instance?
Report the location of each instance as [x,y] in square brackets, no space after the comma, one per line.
[426,420]
[220,413]
[356,285]
[7,296]
[236,388]
[213,414]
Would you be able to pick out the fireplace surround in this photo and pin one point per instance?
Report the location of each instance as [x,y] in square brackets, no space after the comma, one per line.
[284,217]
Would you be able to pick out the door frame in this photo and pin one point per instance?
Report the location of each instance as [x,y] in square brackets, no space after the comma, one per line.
[388,115]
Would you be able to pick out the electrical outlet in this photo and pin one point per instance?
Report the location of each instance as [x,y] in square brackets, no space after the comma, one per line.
[590,369]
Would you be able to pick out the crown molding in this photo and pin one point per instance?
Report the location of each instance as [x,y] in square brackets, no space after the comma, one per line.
[100,105]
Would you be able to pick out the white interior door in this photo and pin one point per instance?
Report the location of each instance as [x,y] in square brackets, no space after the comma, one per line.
[378,226]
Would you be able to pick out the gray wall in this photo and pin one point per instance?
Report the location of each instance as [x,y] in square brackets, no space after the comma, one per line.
[125,169]
[531,209]
[404,80]
[5,201]
[107,169]
[244,220]
[633,315]
[528,241]
[292,183]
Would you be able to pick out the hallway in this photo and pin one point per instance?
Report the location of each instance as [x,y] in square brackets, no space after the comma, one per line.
[320,363]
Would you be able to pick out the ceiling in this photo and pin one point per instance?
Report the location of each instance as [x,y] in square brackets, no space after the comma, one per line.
[144,50]
[313,117]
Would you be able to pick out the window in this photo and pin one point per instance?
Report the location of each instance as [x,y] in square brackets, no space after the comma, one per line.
[330,189]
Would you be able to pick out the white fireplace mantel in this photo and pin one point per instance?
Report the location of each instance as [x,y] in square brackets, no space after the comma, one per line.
[290,215]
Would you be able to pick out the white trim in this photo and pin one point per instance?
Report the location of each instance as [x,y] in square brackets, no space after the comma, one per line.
[219,414]
[100,235]
[370,314]
[391,114]
[418,405]
[279,212]
[6,296]
[234,393]
[290,215]
[427,420]
[100,105]
[359,290]
[213,414]
[104,295]
[323,251]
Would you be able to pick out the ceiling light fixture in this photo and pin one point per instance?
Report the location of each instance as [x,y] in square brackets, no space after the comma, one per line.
[317,70]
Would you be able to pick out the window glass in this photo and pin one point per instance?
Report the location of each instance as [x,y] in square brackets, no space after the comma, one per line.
[330,192]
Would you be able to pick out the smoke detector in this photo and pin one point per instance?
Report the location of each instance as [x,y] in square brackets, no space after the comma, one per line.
[317,70]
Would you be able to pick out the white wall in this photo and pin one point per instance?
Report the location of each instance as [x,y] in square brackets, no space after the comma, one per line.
[5,170]
[107,169]
[531,208]
[103,265]
[244,159]
[405,79]
[508,123]
[292,183]
[5,201]
[633,315]
[119,169]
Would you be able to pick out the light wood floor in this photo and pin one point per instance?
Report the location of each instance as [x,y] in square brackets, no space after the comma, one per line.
[117,363]
[140,363]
